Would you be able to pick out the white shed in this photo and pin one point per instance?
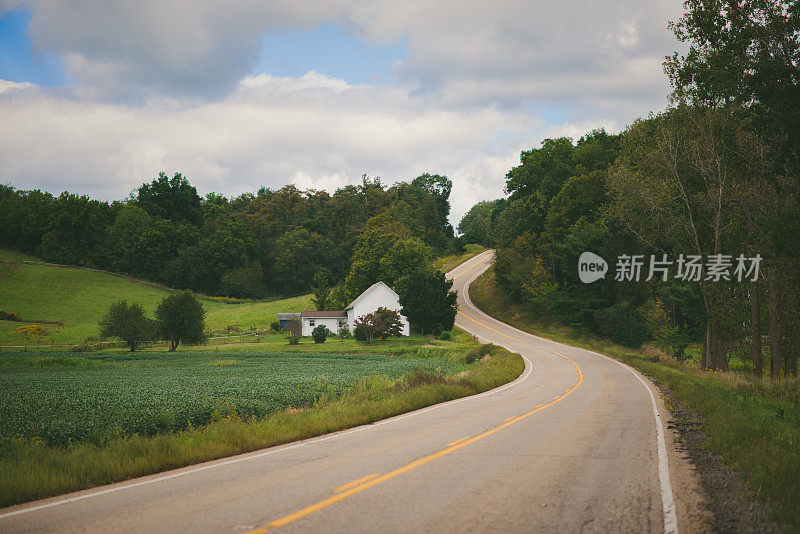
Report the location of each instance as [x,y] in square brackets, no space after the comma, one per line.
[332,319]
[378,295]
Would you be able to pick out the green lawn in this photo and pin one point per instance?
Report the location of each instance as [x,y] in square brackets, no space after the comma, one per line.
[448,263]
[78,299]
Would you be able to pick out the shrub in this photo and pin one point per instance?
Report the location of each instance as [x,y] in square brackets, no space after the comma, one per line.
[275,326]
[445,335]
[360,332]
[32,332]
[320,333]
[9,316]
[477,353]
[624,324]
[344,332]
[381,323]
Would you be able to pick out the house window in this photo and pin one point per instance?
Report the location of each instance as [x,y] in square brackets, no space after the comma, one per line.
[311,322]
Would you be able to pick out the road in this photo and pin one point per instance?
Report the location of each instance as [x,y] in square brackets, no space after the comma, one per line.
[576,443]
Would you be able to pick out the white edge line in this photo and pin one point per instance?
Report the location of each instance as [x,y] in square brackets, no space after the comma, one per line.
[279,448]
[667,496]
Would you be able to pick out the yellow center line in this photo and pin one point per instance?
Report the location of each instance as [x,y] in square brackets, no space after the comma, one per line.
[456,441]
[356,482]
[468,270]
[489,327]
[417,463]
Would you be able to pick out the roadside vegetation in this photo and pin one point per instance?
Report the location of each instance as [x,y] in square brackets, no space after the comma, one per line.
[753,424]
[79,420]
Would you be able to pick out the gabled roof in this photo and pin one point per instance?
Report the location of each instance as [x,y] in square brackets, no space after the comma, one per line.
[370,288]
[323,314]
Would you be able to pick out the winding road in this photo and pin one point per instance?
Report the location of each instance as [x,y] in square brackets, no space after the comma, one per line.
[576,443]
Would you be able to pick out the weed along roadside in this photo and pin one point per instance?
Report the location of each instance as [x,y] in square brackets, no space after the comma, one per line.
[44,457]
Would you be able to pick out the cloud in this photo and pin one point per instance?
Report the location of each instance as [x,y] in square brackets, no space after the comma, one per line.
[314,131]
[163,86]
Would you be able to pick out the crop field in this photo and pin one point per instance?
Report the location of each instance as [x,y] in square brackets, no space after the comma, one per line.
[62,398]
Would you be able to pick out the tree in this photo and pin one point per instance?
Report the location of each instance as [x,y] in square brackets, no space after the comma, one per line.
[170,198]
[181,318]
[381,323]
[321,291]
[427,301]
[320,333]
[293,331]
[127,323]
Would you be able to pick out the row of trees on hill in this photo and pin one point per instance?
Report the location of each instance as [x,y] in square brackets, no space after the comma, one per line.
[716,173]
[250,246]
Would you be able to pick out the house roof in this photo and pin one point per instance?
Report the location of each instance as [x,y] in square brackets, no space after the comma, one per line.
[288,316]
[370,288]
[323,314]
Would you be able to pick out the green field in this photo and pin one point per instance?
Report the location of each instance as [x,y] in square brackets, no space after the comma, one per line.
[63,398]
[78,299]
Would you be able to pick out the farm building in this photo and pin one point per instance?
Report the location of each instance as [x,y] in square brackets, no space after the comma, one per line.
[284,318]
[378,295]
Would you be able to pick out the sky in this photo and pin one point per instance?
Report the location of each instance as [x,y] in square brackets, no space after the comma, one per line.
[99,96]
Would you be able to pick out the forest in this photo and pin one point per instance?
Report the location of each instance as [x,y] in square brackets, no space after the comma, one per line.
[255,245]
[716,173]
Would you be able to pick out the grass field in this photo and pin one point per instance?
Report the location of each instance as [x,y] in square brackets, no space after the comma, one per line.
[78,299]
[448,263]
[753,424]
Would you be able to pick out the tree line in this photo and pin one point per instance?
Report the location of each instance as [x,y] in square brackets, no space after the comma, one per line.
[716,175]
[268,243]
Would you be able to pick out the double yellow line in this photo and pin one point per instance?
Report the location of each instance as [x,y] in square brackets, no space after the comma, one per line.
[357,486]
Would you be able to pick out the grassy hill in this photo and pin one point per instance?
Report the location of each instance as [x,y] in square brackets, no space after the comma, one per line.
[42,293]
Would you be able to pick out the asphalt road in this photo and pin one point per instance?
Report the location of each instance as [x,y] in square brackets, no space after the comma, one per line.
[574,444]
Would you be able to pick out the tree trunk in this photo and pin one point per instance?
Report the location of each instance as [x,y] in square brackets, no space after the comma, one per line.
[775,332]
[755,329]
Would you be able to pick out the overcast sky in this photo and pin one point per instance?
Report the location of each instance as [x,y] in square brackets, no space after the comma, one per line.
[97,97]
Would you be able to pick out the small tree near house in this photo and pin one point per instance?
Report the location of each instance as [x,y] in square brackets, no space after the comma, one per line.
[293,331]
[381,323]
[320,333]
[181,319]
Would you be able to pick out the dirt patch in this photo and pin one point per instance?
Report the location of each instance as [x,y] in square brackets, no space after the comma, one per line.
[732,504]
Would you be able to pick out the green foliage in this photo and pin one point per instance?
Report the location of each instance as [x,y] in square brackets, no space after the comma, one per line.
[181,319]
[624,324]
[170,198]
[128,323]
[275,326]
[427,301]
[320,333]
[321,291]
[9,316]
[382,323]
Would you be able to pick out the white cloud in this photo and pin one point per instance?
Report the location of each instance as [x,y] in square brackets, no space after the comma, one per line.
[164,86]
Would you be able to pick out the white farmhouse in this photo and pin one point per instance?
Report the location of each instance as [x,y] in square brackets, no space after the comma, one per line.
[378,295]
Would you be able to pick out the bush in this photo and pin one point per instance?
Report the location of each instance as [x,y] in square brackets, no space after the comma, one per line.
[344,332]
[275,326]
[624,324]
[445,335]
[381,323]
[477,353]
[320,333]
[9,316]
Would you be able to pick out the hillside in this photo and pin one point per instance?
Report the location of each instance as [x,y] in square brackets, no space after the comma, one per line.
[78,299]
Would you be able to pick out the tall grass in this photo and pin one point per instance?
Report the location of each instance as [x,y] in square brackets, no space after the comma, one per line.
[754,425]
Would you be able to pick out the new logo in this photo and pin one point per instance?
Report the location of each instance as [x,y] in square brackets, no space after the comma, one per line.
[591,267]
